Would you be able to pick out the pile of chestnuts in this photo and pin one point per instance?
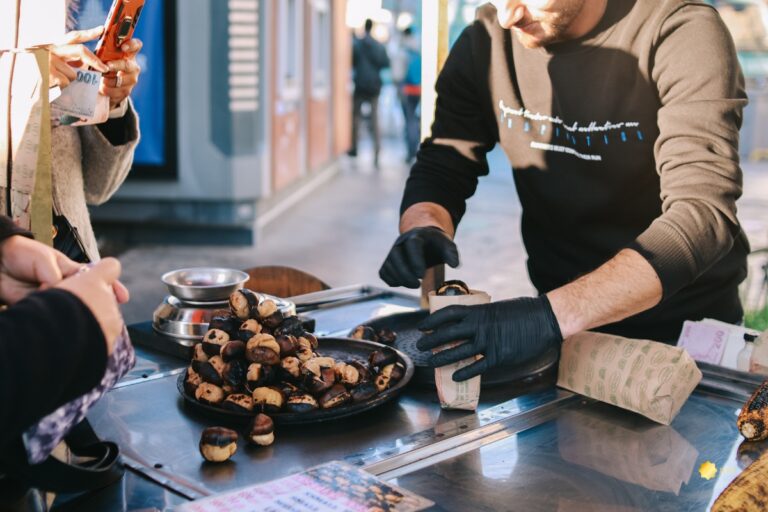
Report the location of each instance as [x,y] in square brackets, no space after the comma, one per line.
[255,360]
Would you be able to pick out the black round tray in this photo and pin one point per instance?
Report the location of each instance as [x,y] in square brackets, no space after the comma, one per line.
[337,348]
[405,326]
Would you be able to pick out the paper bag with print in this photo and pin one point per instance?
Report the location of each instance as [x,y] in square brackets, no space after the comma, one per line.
[647,377]
[457,395]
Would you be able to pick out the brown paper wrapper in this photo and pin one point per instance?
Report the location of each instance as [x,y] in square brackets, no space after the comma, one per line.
[647,377]
[457,395]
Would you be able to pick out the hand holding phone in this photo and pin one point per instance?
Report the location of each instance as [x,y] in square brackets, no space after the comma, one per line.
[118,29]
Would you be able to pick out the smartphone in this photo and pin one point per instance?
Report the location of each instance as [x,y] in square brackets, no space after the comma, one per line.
[121,22]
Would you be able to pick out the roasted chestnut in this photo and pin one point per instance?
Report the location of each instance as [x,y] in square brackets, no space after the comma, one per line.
[334,397]
[224,321]
[208,393]
[269,314]
[363,391]
[233,350]
[263,348]
[218,363]
[389,375]
[304,350]
[198,354]
[381,358]
[291,367]
[238,402]
[386,336]
[289,389]
[207,372]
[258,375]
[213,340]
[243,303]
[287,344]
[301,403]
[192,381]
[363,332]
[318,384]
[218,444]
[362,369]
[234,373]
[316,364]
[262,430]
[453,287]
[270,399]
[311,338]
[249,329]
[347,374]
[291,325]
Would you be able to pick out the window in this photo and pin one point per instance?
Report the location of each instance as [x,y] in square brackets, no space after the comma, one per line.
[289,48]
[321,46]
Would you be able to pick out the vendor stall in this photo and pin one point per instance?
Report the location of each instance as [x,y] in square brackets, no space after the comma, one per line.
[530,445]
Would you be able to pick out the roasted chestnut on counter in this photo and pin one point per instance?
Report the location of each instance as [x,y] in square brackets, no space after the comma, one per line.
[207,372]
[225,321]
[304,350]
[269,398]
[347,374]
[192,381]
[389,375]
[234,373]
[287,344]
[244,303]
[213,340]
[238,402]
[291,325]
[386,336]
[198,354]
[311,338]
[261,431]
[218,444]
[258,375]
[453,287]
[291,367]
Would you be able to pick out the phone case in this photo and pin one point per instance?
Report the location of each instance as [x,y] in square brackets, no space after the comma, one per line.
[119,27]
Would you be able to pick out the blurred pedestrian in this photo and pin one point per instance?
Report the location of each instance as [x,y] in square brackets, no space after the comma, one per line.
[369,57]
[410,93]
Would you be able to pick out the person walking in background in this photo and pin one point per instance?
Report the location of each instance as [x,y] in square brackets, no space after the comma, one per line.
[410,93]
[369,57]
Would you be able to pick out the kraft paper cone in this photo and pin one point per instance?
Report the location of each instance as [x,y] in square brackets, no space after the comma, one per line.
[647,377]
[457,395]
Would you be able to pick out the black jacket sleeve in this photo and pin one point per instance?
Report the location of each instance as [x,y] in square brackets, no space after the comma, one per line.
[463,112]
[52,350]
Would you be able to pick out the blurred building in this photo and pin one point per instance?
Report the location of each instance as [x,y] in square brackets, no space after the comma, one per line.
[243,104]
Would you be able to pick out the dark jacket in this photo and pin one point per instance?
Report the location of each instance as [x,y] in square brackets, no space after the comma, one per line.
[369,57]
[52,350]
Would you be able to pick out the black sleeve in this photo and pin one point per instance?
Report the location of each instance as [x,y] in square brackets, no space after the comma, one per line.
[120,130]
[52,350]
[463,112]
[9,229]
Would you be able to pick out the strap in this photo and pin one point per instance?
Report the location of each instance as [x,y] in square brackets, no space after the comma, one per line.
[101,470]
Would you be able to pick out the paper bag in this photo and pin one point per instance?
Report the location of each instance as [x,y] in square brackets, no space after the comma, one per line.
[457,395]
[649,378]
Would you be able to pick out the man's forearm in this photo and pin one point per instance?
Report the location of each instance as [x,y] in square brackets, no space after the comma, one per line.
[427,214]
[622,287]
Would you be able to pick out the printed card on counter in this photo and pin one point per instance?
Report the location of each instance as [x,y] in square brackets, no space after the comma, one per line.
[332,487]
[457,395]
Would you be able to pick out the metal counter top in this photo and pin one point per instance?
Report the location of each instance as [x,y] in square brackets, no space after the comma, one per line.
[537,447]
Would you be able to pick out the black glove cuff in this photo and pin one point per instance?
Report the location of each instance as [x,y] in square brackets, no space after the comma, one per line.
[551,319]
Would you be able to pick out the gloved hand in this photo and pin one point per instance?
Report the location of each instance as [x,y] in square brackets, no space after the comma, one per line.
[506,332]
[414,252]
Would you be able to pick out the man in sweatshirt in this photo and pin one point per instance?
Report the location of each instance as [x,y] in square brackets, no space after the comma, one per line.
[621,121]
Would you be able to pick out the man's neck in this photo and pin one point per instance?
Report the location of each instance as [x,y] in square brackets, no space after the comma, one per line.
[591,14]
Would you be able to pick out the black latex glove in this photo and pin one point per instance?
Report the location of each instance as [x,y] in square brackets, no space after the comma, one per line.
[414,252]
[505,332]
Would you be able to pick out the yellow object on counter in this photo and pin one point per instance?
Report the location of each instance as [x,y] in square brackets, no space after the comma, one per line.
[647,377]
[708,470]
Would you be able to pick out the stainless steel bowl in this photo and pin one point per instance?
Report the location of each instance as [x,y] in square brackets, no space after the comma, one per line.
[204,284]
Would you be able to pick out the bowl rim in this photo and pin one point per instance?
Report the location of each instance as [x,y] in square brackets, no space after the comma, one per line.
[243,277]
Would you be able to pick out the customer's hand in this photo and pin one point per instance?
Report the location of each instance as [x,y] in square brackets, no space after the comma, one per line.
[71,53]
[100,291]
[27,265]
[124,74]
[414,252]
[505,333]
